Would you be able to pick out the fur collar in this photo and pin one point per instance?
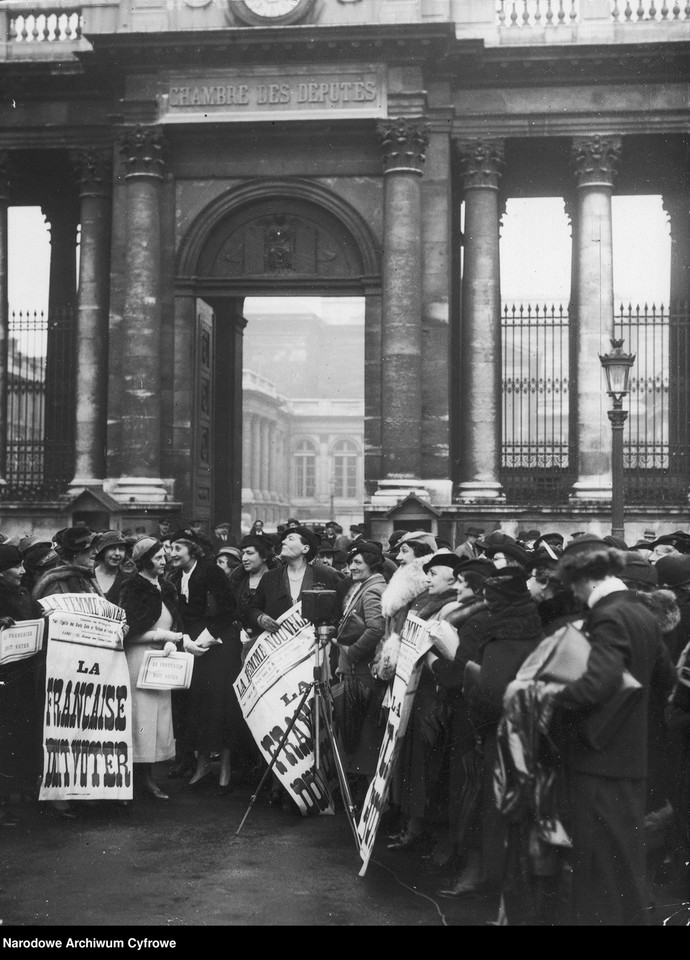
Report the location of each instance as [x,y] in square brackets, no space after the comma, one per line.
[66,571]
[663,605]
[406,584]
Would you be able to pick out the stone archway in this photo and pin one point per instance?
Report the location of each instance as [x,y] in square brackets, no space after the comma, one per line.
[279,236]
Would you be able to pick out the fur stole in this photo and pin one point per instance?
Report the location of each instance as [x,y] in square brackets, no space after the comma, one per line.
[434,604]
[518,620]
[67,578]
[406,584]
[143,602]
[664,606]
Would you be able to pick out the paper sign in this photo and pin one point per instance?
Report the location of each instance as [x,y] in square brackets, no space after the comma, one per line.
[159,672]
[22,640]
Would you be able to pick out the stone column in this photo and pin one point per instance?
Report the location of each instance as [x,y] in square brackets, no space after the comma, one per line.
[5,182]
[247,489]
[256,458]
[595,161]
[677,207]
[481,164]
[144,168]
[403,143]
[61,361]
[272,454]
[95,185]
[263,435]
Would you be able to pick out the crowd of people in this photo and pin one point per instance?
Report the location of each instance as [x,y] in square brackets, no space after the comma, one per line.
[571,827]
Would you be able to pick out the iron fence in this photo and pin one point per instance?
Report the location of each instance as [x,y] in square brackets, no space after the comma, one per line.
[40,405]
[537,462]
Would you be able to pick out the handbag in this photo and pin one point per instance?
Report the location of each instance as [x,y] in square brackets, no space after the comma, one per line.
[566,662]
[351,697]
[350,629]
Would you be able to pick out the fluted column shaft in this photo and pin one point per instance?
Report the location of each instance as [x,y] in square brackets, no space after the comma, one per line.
[95,184]
[481,164]
[403,144]
[256,457]
[142,150]
[5,181]
[595,161]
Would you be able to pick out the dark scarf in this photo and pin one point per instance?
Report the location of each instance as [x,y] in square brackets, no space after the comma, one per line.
[514,620]
[434,603]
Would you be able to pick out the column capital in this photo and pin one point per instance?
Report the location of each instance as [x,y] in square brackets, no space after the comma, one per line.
[403,144]
[93,169]
[595,159]
[6,176]
[481,161]
[143,151]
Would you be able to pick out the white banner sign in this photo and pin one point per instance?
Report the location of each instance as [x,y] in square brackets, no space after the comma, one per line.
[87,720]
[415,642]
[22,640]
[276,673]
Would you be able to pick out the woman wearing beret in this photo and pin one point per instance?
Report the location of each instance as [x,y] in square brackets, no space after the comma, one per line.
[150,603]
[18,766]
[212,713]
[361,627]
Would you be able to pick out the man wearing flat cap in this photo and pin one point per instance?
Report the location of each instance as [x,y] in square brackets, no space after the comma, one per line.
[280,588]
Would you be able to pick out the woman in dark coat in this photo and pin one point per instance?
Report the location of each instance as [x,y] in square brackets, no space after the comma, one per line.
[213,714]
[469,618]
[512,630]
[18,760]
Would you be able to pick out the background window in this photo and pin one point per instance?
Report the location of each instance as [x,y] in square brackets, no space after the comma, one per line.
[345,469]
[305,470]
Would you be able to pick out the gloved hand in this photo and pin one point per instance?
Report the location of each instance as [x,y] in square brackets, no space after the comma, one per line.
[163,636]
[192,647]
[170,647]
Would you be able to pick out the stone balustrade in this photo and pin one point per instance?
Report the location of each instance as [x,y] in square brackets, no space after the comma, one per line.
[50,29]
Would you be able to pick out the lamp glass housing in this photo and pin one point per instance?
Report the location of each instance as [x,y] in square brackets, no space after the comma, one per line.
[617,366]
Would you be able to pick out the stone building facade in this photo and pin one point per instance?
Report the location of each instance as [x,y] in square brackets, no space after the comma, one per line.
[209,151]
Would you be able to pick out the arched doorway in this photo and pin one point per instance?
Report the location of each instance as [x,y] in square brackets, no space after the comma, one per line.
[265,238]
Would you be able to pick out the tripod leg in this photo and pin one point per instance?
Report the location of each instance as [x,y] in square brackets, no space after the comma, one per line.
[342,775]
[280,746]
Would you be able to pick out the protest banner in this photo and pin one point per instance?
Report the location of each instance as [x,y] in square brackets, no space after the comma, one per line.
[276,673]
[87,722]
[23,639]
[414,644]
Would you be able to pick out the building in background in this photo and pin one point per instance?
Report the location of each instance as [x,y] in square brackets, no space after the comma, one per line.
[208,153]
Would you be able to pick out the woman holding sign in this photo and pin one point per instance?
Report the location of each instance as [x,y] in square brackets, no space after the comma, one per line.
[207,606]
[150,603]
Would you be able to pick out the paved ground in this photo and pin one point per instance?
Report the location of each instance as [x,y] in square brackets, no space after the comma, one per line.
[180,863]
[176,864]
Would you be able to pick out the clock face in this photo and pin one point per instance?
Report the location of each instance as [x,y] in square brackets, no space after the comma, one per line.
[271,11]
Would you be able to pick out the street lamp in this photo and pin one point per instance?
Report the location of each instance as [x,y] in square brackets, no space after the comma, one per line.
[617,366]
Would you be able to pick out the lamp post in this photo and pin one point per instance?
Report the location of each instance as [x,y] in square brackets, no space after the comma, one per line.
[617,366]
